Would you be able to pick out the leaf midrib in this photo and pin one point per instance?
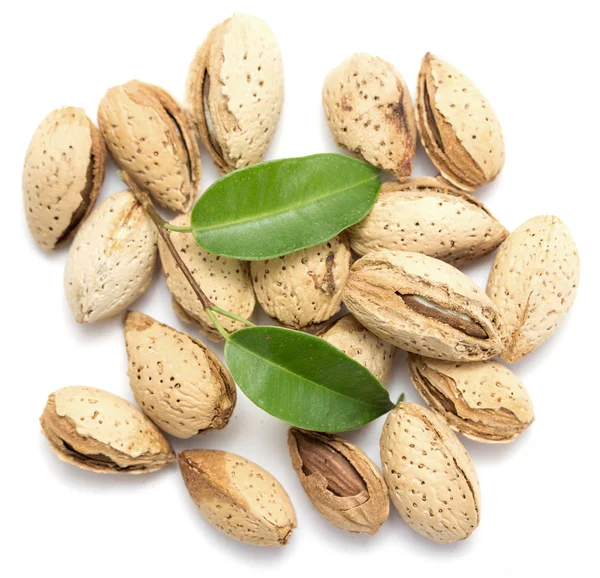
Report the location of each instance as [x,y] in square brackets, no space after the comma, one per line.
[258,217]
[304,378]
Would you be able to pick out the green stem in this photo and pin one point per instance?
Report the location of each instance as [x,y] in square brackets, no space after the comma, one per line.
[216,323]
[217,309]
[177,229]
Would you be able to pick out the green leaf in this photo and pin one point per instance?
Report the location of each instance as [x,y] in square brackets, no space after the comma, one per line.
[274,208]
[400,398]
[304,380]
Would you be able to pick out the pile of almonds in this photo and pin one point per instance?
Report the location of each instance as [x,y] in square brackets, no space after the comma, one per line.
[404,291]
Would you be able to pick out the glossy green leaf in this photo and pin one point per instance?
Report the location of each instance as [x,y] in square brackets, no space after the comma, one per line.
[304,380]
[274,208]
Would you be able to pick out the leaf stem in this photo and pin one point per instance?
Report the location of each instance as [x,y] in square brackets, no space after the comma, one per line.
[217,309]
[177,229]
[216,323]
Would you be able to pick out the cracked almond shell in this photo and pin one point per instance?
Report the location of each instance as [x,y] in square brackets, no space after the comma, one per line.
[238,497]
[149,136]
[111,260]
[180,384]
[483,400]
[533,282]
[431,478]
[428,215]
[459,130]
[370,112]
[342,482]
[303,288]
[235,91]
[357,342]
[62,175]
[98,431]
[225,281]
[424,306]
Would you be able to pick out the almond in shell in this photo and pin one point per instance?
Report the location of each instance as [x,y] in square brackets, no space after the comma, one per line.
[431,478]
[424,306]
[235,91]
[370,112]
[62,175]
[111,259]
[98,431]
[428,215]
[182,386]
[483,400]
[238,497]
[533,282]
[458,128]
[150,137]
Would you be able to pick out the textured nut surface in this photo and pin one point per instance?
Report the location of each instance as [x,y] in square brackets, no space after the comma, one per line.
[370,112]
[180,384]
[459,130]
[533,283]
[483,400]
[357,342]
[98,431]
[111,259]
[62,175]
[431,478]
[428,215]
[226,282]
[424,306]
[235,91]
[304,287]
[342,482]
[238,497]
[149,136]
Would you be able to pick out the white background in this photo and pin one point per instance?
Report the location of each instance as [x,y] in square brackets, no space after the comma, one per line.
[537,64]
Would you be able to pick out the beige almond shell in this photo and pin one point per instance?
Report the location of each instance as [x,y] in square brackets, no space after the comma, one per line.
[98,431]
[357,342]
[374,291]
[428,215]
[459,130]
[533,282]
[370,112]
[150,137]
[62,175]
[111,260]
[182,386]
[431,478]
[238,497]
[303,288]
[235,91]
[225,281]
[483,400]
[363,513]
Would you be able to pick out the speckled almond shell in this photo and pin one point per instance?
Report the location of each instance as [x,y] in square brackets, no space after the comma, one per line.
[533,283]
[458,128]
[370,112]
[373,295]
[303,288]
[235,91]
[98,431]
[238,497]
[431,478]
[483,400]
[428,215]
[363,513]
[149,136]
[180,384]
[62,175]
[226,282]
[357,342]
[111,259]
